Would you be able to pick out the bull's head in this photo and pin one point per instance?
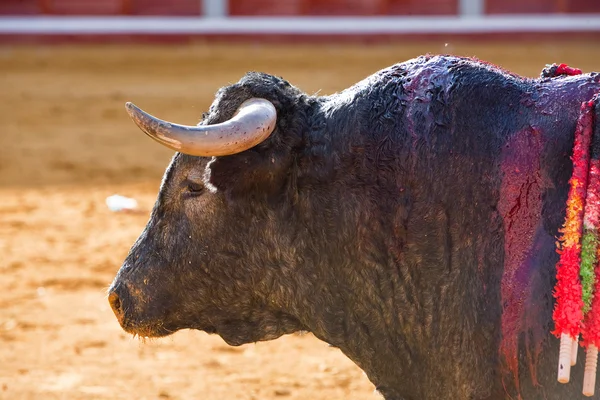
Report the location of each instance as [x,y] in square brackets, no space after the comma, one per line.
[220,239]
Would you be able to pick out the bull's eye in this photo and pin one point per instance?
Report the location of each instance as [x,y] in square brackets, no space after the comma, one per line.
[194,188]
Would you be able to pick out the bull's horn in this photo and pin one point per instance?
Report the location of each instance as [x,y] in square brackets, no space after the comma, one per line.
[252,123]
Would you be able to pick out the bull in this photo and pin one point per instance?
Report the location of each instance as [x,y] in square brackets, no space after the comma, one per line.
[409,220]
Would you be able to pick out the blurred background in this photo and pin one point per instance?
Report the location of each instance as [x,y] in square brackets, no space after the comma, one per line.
[66,69]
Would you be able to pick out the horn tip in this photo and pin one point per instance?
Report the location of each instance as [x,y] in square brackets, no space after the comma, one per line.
[131,109]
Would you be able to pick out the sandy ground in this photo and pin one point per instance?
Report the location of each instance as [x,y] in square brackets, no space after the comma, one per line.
[66,144]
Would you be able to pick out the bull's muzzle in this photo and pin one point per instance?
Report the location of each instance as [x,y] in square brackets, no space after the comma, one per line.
[136,313]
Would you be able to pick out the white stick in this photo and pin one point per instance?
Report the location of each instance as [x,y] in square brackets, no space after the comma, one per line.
[589,376]
[564,358]
[574,351]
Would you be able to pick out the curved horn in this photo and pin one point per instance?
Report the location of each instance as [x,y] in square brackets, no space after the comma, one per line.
[252,123]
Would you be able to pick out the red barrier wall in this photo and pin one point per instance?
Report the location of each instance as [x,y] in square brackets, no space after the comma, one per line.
[266,7]
[20,7]
[165,7]
[289,7]
[100,7]
[343,7]
[541,6]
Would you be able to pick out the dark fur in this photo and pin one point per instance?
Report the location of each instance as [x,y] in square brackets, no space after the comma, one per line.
[370,219]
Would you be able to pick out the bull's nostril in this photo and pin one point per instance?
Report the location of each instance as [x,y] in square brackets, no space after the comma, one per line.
[115,304]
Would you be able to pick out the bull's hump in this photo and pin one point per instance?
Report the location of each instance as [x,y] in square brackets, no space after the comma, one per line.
[416,74]
[420,73]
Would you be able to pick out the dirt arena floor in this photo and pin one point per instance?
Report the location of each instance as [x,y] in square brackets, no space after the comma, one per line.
[66,144]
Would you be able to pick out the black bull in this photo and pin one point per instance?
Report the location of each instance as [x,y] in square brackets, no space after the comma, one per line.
[409,220]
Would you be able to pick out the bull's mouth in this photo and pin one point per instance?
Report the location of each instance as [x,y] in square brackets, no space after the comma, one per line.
[158,330]
[147,330]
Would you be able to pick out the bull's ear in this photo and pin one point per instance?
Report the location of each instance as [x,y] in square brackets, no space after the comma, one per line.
[265,168]
[251,171]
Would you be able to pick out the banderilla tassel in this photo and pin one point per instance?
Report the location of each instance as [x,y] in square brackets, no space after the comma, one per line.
[568,310]
[591,276]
